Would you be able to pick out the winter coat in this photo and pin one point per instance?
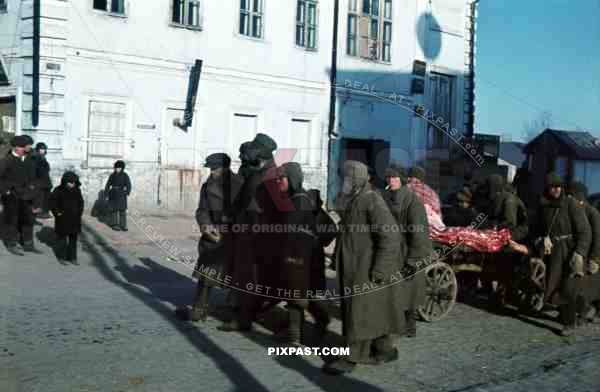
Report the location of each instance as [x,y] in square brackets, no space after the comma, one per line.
[593,217]
[66,205]
[118,188]
[240,259]
[508,211]
[303,257]
[417,249]
[216,198]
[368,312]
[42,171]
[564,221]
[17,176]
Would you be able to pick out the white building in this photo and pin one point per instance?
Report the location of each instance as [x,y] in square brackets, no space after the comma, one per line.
[112,75]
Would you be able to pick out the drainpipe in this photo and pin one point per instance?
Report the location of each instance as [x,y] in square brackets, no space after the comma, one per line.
[35,99]
[332,133]
[471,120]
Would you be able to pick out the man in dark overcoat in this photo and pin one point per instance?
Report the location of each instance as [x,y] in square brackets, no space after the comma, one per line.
[369,266]
[244,254]
[118,188]
[563,237]
[212,215]
[18,189]
[417,248]
[42,174]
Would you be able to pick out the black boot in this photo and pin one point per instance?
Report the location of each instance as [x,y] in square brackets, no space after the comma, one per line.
[123,220]
[14,250]
[338,367]
[30,248]
[411,324]
[200,309]
[318,309]
[293,334]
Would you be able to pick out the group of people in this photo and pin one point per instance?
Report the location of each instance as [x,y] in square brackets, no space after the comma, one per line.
[27,193]
[262,196]
[561,229]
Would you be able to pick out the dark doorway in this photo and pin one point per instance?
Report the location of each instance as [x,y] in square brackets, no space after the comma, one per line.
[375,153]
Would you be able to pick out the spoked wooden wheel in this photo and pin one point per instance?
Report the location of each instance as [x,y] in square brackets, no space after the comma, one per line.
[531,296]
[440,292]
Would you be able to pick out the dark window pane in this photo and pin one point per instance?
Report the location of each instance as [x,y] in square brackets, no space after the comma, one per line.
[243,23]
[244,4]
[300,35]
[257,6]
[100,5]
[387,9]
[177,11]
[118,6]
[312,14]
[374,7]
[256,26]
[312,38]
[366,7]
[374,28]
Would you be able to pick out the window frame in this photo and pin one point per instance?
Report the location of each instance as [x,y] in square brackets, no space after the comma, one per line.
[306,25]
[184,17]
[251,14]
[109,6]
[358,10]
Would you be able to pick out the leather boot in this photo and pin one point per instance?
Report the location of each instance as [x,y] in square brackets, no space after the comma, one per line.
[200,309]
[294,332]
[318,309]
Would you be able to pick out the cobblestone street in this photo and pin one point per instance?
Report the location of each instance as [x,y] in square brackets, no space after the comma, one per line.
[108,325]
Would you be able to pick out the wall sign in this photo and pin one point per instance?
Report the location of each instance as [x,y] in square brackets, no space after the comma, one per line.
[146,126]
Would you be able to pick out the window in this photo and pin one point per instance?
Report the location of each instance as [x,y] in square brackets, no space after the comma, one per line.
[307,142]
[251,18]
[106,132]
[370,29]
[3,73]
[112,6]
[3,6]
[186,12]
[306,24]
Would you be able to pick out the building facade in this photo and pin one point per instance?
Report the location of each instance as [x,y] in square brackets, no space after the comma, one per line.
[101,80]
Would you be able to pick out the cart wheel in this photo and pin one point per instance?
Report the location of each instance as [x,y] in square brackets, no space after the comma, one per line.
[440,292]
[531,296]
[538,277]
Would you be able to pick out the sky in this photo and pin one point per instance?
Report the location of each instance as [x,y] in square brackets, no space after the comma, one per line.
[536,56]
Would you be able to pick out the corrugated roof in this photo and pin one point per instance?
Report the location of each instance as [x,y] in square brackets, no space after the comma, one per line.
[583,145]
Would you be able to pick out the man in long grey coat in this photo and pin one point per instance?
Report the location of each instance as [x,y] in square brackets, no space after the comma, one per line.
[417,248]
[369,264]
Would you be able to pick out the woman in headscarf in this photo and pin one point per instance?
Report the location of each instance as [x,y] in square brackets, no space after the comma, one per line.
[303,258]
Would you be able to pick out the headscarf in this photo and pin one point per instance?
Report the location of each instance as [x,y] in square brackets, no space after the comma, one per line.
[70,176]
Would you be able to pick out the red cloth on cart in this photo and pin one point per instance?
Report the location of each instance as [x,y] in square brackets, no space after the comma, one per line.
[426,195]
[479,240]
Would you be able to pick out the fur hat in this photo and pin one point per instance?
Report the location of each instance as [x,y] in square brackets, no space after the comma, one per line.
[218,160]
[119,165]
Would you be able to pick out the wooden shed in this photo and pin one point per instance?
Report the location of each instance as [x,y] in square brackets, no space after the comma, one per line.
[573,155]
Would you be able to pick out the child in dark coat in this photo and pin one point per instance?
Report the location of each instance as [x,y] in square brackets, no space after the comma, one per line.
[118,189]
[66,204]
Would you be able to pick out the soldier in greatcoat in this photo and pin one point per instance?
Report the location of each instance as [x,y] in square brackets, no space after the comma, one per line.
[369,259]
[417,248]
[563,236]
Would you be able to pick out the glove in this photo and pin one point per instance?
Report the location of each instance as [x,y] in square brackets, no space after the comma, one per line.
[409,269]
[593,266]
[577,265]
[377,277]
[548,246]
[212,236]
